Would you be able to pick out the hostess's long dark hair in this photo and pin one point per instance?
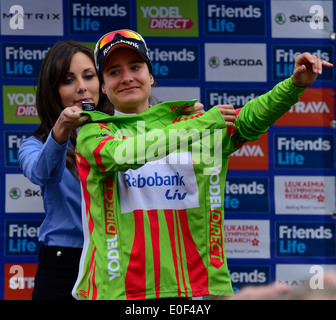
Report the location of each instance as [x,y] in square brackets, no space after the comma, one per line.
[53,71]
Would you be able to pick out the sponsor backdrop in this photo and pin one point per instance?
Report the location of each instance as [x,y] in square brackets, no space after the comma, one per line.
[280,190]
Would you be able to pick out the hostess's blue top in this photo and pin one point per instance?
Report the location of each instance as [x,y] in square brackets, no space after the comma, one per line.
[45,165]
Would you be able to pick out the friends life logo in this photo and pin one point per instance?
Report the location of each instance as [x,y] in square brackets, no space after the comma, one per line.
[23,60]
[178,63]
[283,60]
[242,276]
[22,238]
[246,195]
[304,151]
[234,18]
[98,18]
[308,239]
[237,97]
[13,140]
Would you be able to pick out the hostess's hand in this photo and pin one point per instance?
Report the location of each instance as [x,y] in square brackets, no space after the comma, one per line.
[69,119]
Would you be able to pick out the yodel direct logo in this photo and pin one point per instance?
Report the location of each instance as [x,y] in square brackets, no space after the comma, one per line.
[173,18]
[166,18]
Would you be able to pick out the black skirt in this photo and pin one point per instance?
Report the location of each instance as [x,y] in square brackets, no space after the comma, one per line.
[56,273]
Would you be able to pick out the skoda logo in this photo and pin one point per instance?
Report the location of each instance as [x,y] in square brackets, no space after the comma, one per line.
[280,18]
[214,62]
[15,193]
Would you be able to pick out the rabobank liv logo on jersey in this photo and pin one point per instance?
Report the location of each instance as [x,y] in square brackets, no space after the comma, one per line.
[98,17]
[283,58]
[171,180]
[304,151]
[309,239]
[234,18]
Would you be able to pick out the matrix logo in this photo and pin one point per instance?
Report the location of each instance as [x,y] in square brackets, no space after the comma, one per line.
[304,151]
[310,239]
[99,17]
[234,18]
[29,17]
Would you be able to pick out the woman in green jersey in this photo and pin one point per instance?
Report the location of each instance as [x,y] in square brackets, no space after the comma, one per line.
[153,179]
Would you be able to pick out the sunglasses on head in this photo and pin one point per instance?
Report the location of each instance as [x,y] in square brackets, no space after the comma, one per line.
[124,33]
